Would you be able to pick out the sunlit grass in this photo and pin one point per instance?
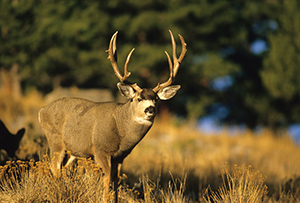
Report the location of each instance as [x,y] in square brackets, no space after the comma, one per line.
[175,173]
[30,181]
[175,162]
[242,184]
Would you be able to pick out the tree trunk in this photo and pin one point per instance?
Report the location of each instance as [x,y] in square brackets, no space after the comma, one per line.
[11,84]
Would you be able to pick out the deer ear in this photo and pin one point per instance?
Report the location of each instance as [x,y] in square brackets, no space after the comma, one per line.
[168,92]
[126,90]
[20,133]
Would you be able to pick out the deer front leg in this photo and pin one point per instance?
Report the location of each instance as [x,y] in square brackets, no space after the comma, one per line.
[115,177]
[104,161]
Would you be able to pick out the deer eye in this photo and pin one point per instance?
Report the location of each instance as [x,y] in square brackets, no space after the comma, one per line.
[139,99]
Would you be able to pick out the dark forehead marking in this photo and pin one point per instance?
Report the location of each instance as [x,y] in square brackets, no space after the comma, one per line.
[148,94]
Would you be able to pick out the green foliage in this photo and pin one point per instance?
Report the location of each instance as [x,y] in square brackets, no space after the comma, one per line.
[15,20]
[63,43]
[281,72]
[266,88]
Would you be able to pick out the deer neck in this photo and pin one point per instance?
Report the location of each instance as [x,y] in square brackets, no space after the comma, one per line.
[130,131]
[129,123]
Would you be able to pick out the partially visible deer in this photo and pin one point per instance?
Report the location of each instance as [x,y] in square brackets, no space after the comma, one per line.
[8,141]
[108,131]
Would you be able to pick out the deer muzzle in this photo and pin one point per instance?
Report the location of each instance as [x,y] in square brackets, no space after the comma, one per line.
[150,111]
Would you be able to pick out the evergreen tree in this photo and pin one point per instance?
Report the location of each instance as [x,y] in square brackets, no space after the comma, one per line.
[63,43]
[15,23]
[280,73]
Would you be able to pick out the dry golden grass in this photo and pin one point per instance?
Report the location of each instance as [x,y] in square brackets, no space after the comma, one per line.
[30,181]
[183,150]
[242,185]
[175,162]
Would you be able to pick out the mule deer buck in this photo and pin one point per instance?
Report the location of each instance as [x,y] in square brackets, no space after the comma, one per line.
[108,131]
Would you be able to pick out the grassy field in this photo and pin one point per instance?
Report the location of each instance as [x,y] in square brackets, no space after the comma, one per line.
[175,162]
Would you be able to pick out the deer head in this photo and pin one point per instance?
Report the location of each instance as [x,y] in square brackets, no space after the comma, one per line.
[144,99]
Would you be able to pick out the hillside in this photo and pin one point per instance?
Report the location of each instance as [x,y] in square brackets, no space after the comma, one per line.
[175,162]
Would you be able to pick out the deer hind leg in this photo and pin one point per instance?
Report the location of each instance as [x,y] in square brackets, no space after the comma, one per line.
[70,160]
[104,161]
[57,156]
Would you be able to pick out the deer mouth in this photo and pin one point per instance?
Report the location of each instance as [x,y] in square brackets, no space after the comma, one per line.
[149,117]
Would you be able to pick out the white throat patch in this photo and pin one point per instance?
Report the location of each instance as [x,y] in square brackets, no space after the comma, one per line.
[143,121]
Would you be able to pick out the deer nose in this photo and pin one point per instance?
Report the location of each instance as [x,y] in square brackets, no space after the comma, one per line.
[150,110]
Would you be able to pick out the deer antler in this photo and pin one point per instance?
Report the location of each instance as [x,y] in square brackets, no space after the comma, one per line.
[112,56]
[176,62]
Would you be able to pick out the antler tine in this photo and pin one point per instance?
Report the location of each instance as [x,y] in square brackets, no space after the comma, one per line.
[176,62]
[126,73]
[182,55]
[174,49]
[170,65]
[184,50]
[112,56]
